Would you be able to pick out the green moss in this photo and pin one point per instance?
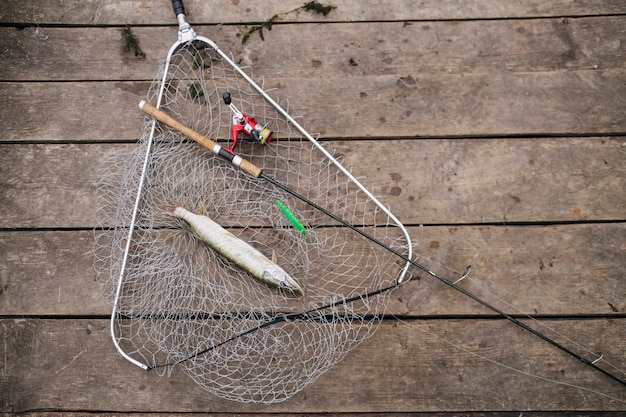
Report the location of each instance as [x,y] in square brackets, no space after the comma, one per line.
[131,43]
[312,6]
[202,60]
[258,27]
[199,62]
[317,7]
[195,90]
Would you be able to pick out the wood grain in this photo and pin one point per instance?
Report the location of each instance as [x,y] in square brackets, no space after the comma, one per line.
[317,50]
[495,129]
[564,270]
[440,79]
[425,365]
[116,12]
[567,103]
[424,181]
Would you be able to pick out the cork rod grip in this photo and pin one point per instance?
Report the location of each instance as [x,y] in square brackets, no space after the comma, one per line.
[243,164]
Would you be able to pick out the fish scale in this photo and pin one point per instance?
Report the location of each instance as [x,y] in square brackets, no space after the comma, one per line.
[237,251]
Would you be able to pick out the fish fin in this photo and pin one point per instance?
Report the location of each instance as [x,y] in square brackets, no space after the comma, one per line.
[202,209]
[273,256]
[230,235]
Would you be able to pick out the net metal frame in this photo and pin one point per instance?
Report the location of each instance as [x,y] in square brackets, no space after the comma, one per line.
[176,303]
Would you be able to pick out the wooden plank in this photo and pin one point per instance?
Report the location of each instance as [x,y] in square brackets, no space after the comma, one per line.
[465,105]
[523,168]
[347,50]
[82,54]
[452,182]
[521,70]
[406,366]
[331,414]
[71,178]
[36,112]
[116,12]
[563,103]
[52,269]
[560,270]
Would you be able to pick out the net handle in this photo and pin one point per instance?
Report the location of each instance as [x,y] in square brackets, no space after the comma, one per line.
[178,7]
[243,164]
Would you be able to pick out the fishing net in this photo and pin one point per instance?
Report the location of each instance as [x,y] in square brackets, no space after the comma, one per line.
[177,302]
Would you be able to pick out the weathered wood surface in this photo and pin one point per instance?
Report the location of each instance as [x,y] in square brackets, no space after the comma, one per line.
[594,413]
[68,364]
[439,79]
[396,48]
[138,12]
[519,172]
[566,103]
[560,270]
[425,181]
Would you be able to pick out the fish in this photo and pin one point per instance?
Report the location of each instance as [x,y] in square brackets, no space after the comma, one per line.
[237,251]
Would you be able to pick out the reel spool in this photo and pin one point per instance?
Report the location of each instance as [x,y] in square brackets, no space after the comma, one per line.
[247,125]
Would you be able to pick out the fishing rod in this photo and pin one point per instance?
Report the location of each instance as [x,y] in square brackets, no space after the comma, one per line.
[257,172]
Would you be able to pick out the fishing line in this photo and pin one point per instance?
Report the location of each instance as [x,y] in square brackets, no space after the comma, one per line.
[451,284]
[177,302]
[517,370]
[173,297]
[280,318]
[598,356]
[257,172]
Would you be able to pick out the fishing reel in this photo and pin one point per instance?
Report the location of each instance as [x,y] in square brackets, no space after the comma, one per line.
[254,131]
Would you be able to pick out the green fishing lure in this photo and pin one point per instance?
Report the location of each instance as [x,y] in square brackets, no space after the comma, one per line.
[291,217]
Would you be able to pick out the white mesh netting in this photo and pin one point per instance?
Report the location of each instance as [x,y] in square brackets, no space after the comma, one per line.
[181,304]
